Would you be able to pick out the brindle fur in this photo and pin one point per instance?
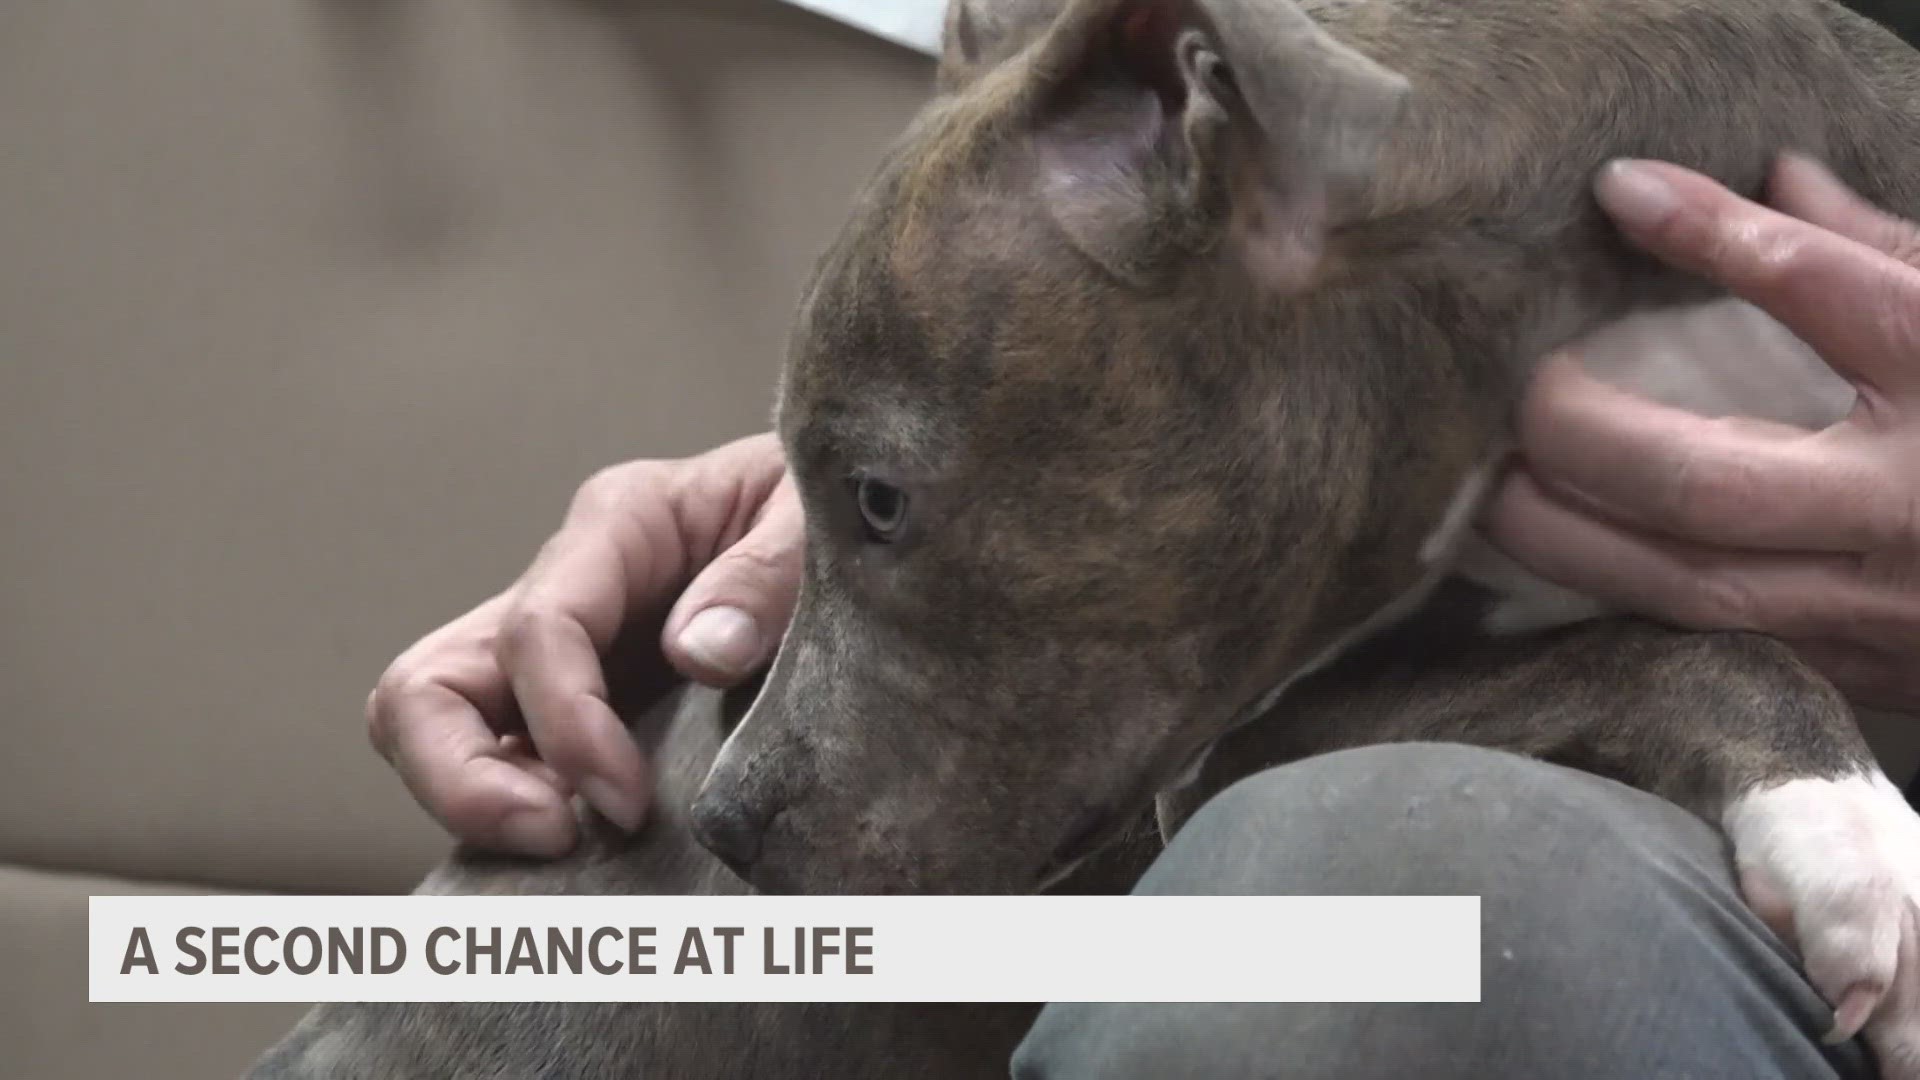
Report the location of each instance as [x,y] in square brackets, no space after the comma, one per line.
[1172,425]
[671,1041]
[1570,695]
[1154,474]
[1696,718]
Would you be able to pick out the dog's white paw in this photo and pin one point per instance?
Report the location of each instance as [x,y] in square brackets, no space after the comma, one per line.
[1833,866]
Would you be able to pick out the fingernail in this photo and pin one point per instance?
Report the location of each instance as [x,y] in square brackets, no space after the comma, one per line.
[540,833]
[614,804]
[1798,159]
[724,639]
[1636,194]
[531,794]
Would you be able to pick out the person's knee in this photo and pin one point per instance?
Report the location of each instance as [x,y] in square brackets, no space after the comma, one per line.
[1613,941]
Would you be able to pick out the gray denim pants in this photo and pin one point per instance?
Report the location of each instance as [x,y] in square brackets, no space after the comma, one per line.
[1615,943]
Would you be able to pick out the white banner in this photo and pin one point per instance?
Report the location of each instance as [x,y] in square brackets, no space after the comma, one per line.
[784,948]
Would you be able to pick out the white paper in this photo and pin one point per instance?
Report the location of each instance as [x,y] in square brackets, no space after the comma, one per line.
[913,23]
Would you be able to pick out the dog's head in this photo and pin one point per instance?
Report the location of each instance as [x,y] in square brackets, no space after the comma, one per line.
[1098,442]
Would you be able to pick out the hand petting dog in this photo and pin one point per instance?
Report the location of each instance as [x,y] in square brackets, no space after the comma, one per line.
[495,719]
[1812,537]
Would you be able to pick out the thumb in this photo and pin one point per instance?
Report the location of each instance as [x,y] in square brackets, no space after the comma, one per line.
[727,624]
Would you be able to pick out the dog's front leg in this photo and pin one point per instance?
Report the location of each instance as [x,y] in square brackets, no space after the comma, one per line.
[1730,726]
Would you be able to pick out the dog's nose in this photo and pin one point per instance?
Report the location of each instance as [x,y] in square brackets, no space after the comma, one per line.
[729,828]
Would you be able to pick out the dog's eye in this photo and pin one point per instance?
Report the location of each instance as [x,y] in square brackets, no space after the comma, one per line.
[883,507]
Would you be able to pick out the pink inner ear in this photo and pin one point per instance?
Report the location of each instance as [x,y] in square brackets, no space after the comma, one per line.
[1097,174]
[1147,34]
[1111,137]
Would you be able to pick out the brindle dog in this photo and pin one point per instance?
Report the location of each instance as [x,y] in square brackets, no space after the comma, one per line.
[1162,363]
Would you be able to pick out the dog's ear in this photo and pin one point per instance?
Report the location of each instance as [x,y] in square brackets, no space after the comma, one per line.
[981,33]
[1166,127]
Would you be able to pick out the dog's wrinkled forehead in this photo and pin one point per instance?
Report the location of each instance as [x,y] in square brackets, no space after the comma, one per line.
[942,293]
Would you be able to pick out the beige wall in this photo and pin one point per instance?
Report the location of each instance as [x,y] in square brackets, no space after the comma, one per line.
[312,314]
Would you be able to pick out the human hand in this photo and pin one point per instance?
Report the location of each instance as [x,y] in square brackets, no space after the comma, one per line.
[495,719]
[1810,536]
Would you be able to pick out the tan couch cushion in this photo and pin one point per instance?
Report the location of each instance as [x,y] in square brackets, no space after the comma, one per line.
[49,1031]
[309,329]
